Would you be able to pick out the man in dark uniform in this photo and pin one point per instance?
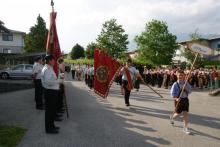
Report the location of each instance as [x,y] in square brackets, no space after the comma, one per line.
[51,93]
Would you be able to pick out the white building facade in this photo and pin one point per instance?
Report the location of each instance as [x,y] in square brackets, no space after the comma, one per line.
[12,43]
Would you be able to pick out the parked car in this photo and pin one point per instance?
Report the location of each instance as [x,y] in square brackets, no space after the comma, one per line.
[18,71]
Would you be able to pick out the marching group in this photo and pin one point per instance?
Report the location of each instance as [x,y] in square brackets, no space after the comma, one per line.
[51,86]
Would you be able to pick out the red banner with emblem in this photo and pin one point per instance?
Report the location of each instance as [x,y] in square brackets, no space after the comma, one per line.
[105,69]
[53,46]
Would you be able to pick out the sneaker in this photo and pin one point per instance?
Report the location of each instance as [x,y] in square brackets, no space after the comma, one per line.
[171,120]
[186,130]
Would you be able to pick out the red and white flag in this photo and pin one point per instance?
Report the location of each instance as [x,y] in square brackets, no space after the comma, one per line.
[105,69]
[53,46]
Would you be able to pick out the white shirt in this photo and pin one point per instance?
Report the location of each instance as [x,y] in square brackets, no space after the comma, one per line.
[92,71]
[73,67]
[49,78]
[85,70]
[132,70]
[37,68]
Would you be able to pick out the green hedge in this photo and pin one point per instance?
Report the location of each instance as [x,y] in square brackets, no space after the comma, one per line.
[79,61]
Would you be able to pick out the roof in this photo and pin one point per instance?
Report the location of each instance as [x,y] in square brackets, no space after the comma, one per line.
[209,37]
[3,29]
[27,55]
[14,31]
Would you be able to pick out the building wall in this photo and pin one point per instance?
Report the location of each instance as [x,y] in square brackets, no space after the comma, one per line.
[215,44]
[15,45]
[14,49]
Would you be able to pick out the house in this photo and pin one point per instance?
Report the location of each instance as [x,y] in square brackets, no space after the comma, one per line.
[11,41]
[132,54]
[211,41]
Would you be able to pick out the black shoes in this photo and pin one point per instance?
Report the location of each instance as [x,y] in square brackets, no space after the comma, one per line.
[57,119]
[40,107]
[59,115]
[127,105]
[57,128]
[52,131]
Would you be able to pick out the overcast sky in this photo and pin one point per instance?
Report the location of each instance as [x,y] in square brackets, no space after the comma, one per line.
[80,21]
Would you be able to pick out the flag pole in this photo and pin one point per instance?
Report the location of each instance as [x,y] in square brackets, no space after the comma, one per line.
[150,87]
[63,88]
[52,5]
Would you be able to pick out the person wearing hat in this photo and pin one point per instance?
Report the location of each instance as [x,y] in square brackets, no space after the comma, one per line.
[129,73]
[36,74]
[51,93]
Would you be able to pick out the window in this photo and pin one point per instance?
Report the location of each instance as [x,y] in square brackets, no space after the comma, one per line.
[6,50]
[19,67]
[7,37]
[219,45]
[28,67]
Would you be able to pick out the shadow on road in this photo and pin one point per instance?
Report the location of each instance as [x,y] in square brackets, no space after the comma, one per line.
[109,123]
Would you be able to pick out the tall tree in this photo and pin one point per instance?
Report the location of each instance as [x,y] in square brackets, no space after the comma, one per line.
[156,44]
[113,39]
[77,52]
[35,40]
[90,50]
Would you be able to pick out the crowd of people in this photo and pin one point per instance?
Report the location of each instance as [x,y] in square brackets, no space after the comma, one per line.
[199,78]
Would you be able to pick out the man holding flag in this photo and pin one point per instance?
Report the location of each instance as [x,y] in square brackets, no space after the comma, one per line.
[128,75]
[49,78]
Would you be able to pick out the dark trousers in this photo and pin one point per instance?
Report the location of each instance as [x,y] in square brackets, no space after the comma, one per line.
[86,79]
[91,80]
[159,80]
[51,98]
[73,74]
[127,92]
[38,93]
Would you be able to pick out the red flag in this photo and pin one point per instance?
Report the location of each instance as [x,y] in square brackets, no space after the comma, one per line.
[105,69]
[53,46]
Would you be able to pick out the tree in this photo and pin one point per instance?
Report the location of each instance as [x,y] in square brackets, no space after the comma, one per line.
[90,50]
[35,40]
[113,39]
[156,45]
[77,52]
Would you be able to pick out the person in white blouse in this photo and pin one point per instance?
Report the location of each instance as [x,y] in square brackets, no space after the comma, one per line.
[51,84]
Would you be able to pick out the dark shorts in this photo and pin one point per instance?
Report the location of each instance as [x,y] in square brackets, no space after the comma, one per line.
[183,105]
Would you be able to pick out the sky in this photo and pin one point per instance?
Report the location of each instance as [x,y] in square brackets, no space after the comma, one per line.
[80,21]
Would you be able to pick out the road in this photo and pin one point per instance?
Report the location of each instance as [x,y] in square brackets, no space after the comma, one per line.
[97,122]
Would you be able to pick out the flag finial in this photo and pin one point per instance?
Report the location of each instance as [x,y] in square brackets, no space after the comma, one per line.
[52,4]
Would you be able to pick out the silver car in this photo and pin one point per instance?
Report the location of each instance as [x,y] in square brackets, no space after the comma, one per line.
[18,71]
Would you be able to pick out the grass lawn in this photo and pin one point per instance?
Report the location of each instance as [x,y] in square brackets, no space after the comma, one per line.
[10,135]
